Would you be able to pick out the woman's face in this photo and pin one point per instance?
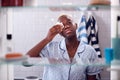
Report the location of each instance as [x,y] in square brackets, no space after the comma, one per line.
[69,29]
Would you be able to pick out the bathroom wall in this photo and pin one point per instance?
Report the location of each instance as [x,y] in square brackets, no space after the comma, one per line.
[2,31]
[31,26]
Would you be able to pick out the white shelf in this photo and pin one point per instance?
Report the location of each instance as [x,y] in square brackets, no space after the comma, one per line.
[18,60]
[113,69]
[115,66]
[66,7]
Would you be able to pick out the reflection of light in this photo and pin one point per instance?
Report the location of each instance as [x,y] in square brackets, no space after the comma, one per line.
[68,3]
[52,20]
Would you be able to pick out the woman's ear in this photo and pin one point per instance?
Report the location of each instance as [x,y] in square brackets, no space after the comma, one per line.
[76,25]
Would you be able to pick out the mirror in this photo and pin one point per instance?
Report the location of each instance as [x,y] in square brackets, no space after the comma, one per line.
[30,25]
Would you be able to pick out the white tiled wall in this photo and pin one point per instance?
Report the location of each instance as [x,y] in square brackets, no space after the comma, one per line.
[31,25]
[2,30]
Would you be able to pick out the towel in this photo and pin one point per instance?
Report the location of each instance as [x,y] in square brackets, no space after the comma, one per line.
[87,32]
[92,32]
[81,31]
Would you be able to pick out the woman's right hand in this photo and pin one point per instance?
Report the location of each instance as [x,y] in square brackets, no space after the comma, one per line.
[56,29]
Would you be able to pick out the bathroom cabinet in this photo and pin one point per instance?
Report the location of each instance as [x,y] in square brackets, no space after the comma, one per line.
[6,23]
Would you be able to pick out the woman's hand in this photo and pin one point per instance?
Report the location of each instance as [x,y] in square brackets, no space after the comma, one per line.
[35,51]
[56,29]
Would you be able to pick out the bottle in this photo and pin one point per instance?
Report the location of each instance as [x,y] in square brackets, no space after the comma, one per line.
[6,3]
[9,43]
[16,2]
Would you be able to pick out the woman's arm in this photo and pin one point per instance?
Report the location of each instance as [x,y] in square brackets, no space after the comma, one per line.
[34,52]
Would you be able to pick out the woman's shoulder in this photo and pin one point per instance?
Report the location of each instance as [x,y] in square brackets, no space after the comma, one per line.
[88,46]
[53,43]
[89,49]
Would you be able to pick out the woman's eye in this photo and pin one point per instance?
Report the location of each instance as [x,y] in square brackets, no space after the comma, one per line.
[70,22]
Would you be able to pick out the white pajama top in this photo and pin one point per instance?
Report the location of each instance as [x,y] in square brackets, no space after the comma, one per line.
[61,68]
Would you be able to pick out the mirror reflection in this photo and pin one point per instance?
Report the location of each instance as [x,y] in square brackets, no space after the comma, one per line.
[63,43]
[32,25]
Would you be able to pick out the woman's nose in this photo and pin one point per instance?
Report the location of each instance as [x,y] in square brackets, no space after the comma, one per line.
[66,26]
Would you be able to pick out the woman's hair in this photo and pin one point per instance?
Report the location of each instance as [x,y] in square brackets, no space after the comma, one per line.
[66,16]
[63,16]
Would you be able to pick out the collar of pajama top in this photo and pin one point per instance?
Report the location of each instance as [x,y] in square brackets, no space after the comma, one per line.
[65,55]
